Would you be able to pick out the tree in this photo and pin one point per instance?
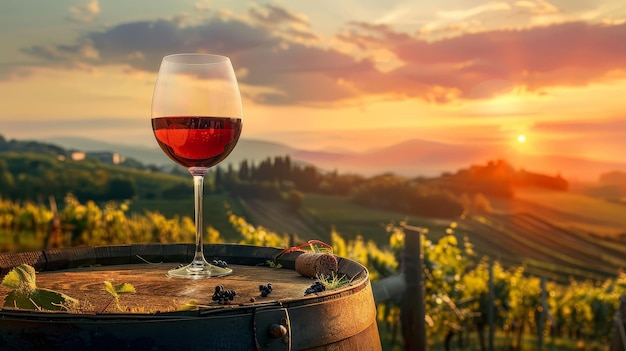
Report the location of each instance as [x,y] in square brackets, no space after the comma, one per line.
[295,200]
[244,170]
[307,178]
[6,178]
[481,204]
[218,178]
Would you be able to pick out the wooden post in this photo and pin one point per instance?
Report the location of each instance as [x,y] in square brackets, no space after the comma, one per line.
[414,311]
[542,315]
[618,341]
[491,308]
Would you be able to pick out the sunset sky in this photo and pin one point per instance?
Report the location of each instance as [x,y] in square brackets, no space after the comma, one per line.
[537,76]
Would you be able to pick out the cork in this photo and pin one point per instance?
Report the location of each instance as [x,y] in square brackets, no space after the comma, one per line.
[310,264]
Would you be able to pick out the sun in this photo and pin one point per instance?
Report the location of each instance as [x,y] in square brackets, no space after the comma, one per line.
[521,138]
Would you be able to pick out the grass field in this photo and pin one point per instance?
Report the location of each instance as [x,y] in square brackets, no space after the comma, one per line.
[318,215]
[350,219]
[552,233]
[568,210]
[214,211]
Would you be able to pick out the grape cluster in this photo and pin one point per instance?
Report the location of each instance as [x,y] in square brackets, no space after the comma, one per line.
[266,289]
[220,263]
[315,288]
[223,295]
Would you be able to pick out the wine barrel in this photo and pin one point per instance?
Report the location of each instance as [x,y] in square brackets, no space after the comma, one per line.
[152,318]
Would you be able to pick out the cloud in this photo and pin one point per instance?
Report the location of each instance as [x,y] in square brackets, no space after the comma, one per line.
[601,129]
[86,12]
[536,7]
[285,63]
[571,54]
[14,71]
[282,61]
[272,15]
[474,11]
[282,22]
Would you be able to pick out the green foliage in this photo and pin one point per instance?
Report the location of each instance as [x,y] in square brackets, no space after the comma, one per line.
[273,264]
[258,236]
[456,278]
[215,215]
[29,176]
[294,200]
[117,290]
[26,295]
[89,224]
[333,280]
[21,278]
[394,193]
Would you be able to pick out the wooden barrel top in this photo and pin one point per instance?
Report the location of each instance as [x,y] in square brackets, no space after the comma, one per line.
[155,292]
[150,319]
[80,272]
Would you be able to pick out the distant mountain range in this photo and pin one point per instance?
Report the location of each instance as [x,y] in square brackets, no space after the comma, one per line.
[409,158]
[252,150]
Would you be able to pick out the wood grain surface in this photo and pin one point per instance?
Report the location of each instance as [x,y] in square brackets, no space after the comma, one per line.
[155,292]
[338,319]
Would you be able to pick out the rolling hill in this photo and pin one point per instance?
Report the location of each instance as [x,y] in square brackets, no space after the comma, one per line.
[556,233]
[410,158]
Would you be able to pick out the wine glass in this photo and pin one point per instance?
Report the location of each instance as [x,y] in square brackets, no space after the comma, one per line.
[197,119]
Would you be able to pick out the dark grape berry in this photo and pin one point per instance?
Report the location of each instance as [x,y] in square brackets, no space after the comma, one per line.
[220,263]
[315,288]
[222,295]
[266,289]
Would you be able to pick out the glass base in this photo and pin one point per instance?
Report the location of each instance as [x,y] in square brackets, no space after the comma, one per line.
[196,271]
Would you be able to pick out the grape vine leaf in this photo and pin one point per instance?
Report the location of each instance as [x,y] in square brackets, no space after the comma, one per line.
[26,295]
[117,290]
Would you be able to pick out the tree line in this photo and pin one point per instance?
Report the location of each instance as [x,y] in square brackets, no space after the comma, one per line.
[447,196]
[31,170]
[27,176]
[279,178]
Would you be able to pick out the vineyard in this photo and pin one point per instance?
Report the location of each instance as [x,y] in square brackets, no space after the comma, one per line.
[580,273]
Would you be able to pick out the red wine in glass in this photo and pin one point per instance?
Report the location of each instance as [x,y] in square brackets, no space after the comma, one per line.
[196,117]
[197,141]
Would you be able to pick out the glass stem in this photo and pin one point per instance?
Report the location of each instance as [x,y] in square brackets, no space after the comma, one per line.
[198,174]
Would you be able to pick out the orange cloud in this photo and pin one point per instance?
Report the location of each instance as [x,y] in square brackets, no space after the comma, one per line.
[561,54]
[287,64]
[85,12]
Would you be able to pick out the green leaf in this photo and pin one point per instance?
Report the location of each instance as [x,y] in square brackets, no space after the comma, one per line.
[273,264]
[116,290]
[52,300]
[40,299]
[16,299]
[110,288]
[125,288]
[26,295]
[11,280]
[21,278]
[191,305]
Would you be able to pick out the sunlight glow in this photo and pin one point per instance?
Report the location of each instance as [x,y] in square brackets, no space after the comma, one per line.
[521,138]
